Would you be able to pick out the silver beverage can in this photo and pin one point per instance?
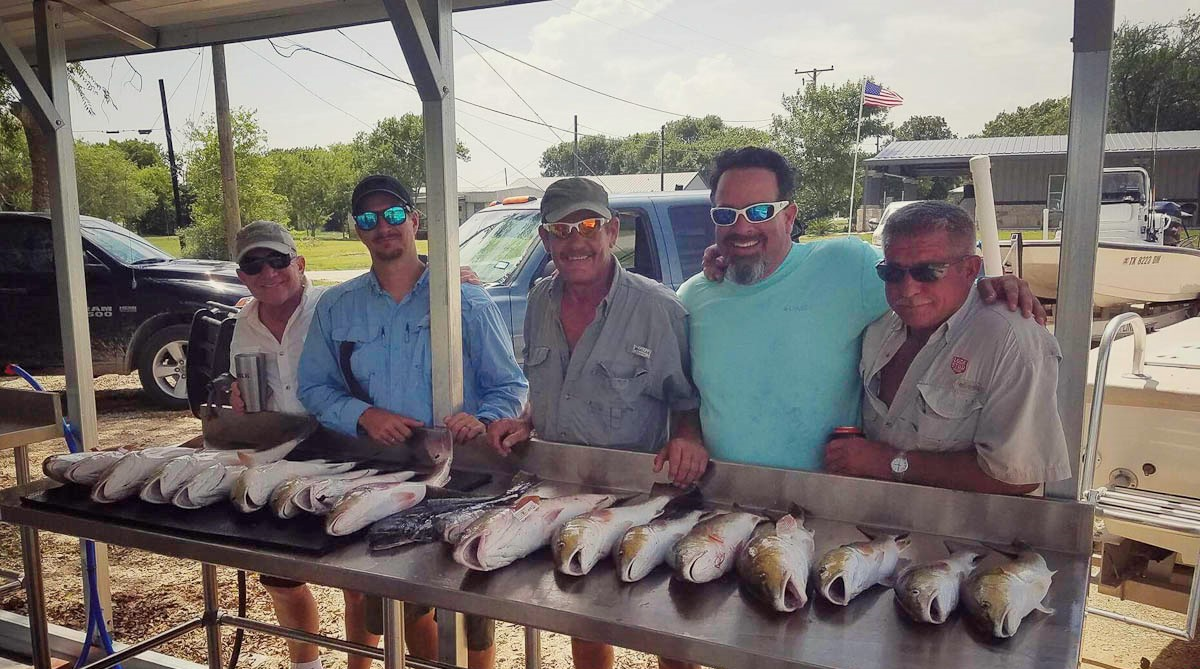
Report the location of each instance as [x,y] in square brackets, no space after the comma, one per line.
[251,372]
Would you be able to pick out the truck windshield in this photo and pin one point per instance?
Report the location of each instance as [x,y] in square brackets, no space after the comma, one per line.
[494,242]
[1123,187]
[125,248]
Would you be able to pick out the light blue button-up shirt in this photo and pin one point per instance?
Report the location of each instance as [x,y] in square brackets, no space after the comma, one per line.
[392,357]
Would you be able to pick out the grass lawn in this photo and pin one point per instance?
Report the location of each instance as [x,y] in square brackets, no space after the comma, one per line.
[327,252]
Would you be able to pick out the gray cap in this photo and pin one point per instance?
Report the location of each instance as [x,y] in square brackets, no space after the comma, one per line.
[264,235]
[567,196]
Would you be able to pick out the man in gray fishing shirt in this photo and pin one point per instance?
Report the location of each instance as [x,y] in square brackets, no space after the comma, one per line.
[956,393]
[606,354]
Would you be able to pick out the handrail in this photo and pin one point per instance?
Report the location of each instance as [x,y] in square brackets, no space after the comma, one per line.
[1101,380]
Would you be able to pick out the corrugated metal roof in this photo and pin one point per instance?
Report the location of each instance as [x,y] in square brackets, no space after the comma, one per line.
[627,183]
[934,149]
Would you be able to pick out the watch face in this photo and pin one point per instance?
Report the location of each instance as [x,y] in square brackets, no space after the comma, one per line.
[900,464]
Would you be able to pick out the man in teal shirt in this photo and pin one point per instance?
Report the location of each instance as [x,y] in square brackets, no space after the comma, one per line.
[776,347]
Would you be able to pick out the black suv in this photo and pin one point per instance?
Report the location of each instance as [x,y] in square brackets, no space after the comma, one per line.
[140,302]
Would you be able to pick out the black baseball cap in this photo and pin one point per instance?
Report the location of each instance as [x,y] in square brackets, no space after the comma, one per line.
[379,183]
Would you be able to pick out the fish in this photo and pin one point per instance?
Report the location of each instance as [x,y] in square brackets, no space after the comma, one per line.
[451,525]
[320,497]
[367,504]
[288,498]
[585,540]
[417,524]
[253,489]
[163,486]
[503,536]
[132,471]
[84,467]
[254,458]
[711,548]
[999,598]
[209,486]
[775,564]
[847,571]
[929,592]
[644,547]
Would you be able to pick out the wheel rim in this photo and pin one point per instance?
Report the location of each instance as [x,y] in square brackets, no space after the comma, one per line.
[170,369]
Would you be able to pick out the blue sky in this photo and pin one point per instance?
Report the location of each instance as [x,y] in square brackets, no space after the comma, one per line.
[733,59]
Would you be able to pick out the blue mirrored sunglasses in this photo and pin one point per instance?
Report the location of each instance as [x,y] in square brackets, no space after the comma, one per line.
[755,213]
[369,220]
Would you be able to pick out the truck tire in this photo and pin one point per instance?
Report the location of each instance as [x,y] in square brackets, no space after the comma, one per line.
[162,367]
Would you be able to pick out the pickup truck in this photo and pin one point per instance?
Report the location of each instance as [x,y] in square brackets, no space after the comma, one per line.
[140,302]
[663,237]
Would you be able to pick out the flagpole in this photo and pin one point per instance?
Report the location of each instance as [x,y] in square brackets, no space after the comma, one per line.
[862,95]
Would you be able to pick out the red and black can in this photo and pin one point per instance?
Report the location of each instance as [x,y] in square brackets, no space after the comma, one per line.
[847,432]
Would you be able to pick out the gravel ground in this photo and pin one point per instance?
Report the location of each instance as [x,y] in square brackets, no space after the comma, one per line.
[152,593]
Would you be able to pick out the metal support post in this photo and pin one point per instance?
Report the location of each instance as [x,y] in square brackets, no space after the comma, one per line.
[35,602]
[1092,43]
[212,614]
[393,634]
[533,648]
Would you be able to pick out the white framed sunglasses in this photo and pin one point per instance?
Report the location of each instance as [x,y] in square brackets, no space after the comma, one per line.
[755,213]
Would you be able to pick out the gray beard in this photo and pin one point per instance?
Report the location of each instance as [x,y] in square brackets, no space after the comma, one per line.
[746,272]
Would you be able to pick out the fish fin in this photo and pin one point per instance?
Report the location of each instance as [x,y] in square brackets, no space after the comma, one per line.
[1044,609]
[786,525]
[689,500]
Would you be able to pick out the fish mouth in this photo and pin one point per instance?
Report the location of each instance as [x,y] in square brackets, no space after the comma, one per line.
[630,572]
[835,591]
[467,552]
[935,612]
[573,565]
[792,597]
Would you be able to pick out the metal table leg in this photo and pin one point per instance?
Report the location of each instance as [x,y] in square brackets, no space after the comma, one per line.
[212,615]
[393,634]
[35,603]
[533,648]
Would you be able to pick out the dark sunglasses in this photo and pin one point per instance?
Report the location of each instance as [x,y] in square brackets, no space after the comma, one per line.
[253,266]
[755,213]
[369,220]
[925,273]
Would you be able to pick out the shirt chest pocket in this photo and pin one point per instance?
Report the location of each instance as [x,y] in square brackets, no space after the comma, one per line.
[620,398]
[948,418]
[363,348]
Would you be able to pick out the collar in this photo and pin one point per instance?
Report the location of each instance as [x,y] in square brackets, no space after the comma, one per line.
[377,288]
[619,280]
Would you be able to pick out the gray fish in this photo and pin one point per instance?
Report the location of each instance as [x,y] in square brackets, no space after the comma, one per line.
[209,486]
[710,550]
[289,498]
[174,475]
[505,535]
[253,489]
[929,592]
[998,599]
[417,524]
[84,468]
[644,547]
[847,571]
[131,472]
[370,503]
[319,498]
[580,543]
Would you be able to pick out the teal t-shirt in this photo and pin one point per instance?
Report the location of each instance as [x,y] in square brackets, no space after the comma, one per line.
[776,362]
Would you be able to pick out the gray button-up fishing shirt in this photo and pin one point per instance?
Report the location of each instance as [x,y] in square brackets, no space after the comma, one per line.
[629,370]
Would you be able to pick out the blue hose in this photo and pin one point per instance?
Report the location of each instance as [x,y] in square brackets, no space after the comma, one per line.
[95,617]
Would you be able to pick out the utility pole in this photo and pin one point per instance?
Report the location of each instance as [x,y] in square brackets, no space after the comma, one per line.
[814,72]
[229,189]
[162,92]
[662,158]
[577,145]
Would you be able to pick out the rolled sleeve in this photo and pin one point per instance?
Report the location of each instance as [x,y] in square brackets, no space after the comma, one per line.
[322,389]
[503,388]
[1020,438]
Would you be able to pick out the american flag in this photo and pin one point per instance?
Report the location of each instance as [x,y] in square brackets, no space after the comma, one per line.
[875,95]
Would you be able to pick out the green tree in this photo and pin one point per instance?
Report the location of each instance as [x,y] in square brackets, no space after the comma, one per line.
[257,199]
[141,152]
[691,144]
[159,218]
[109,186]
[15,176]
[396,146]
[317,183]
[923,128]
[1048,117]
[816,133]
[1155,79]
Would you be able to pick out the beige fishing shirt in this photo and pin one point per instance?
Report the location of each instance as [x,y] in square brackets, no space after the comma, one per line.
[986,380]
[283,357]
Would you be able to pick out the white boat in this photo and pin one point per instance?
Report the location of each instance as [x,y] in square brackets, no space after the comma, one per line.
[1126,273]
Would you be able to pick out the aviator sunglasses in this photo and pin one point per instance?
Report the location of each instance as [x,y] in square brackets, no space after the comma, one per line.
[924,273]
[586,228]
[253,266]
[369,220]
[755,213]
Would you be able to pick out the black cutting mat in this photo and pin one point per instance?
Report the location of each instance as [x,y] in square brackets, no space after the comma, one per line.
[220,522]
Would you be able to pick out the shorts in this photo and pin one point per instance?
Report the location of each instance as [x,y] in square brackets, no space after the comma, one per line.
[481,632]
[275,582]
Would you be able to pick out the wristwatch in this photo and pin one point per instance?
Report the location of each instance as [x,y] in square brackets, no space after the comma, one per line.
[899,465]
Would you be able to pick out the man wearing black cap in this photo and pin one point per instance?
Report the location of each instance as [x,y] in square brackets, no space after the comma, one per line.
[606,352]
[366,366]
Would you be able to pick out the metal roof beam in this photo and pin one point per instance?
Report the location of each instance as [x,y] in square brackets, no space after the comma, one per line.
[126,27]
[412,31]
[27,84]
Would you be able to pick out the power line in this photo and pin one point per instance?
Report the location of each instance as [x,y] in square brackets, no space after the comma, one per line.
[494,152]
[199,81]
[154,126]
[301,85]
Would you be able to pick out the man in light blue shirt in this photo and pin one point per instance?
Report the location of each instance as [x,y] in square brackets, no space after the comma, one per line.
[776,347]
[367,363]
